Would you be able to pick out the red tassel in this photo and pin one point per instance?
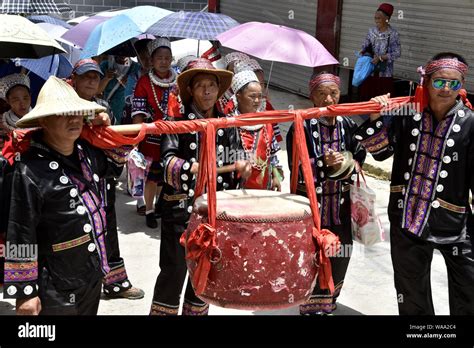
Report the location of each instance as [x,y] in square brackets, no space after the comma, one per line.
[199,246]
[328,245]
[463,95]
[421,98]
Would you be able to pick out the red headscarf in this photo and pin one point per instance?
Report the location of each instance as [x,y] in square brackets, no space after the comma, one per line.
[319,79]
[386,8]
[421,95]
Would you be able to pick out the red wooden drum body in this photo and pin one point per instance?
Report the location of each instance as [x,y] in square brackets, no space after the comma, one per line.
[266,251]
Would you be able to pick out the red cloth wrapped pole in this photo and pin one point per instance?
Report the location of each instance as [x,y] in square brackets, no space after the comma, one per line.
[202,240]
[326,240]
[113,136]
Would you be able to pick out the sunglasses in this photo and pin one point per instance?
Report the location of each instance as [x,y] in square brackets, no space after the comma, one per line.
[453,85]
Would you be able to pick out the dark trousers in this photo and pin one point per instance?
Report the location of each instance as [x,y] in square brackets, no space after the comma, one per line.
[321,300]
[81,301]
[116,281]
[173,269]
[411,259]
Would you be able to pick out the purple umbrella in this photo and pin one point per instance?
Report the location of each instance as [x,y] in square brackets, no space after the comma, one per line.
[79,34]
[277,43]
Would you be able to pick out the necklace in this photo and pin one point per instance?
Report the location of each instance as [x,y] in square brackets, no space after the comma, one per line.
[256,163]
[9,120]
[163,105]
[163,83]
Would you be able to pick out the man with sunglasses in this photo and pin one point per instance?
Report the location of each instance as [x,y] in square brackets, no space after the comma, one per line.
[432,176]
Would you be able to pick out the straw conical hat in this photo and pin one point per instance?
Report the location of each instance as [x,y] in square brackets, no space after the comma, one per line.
[57,97]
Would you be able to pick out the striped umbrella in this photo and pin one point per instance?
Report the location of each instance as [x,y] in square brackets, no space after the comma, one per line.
[34,7]
[50,20]
[192,25]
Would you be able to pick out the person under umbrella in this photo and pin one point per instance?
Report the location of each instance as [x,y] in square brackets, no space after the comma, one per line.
[152,100]
[252,65]
[183,62]
[85,80]
[15,90]
[120,78]
[258,142]
[234,57]
[141,48]
[327,140]
[57,206]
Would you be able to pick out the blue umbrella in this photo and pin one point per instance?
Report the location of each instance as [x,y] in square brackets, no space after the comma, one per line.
[57,65]
[193,25]
[121,28]
[50,20]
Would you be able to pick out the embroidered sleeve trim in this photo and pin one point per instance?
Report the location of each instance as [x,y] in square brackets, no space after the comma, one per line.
[21,271]
[174,172]
[376,142]
[120,154]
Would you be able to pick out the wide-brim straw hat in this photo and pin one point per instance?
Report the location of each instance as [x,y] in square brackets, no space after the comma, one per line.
[202,66]
[57,97]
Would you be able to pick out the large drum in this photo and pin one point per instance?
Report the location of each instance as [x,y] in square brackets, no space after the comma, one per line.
[265,256]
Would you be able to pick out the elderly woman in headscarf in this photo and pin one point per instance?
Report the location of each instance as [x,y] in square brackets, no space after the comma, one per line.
[258,142]
[252,65]
[383,44]
[329,140]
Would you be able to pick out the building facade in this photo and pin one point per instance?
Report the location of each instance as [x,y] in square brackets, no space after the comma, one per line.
[426,27]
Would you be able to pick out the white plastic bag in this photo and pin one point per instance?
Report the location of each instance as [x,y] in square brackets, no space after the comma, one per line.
[366,226]
[136,171]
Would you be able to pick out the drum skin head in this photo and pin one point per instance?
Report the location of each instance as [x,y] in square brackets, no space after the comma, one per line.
[256,204]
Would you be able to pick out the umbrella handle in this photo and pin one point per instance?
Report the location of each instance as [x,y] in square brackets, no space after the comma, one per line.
[269,77]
